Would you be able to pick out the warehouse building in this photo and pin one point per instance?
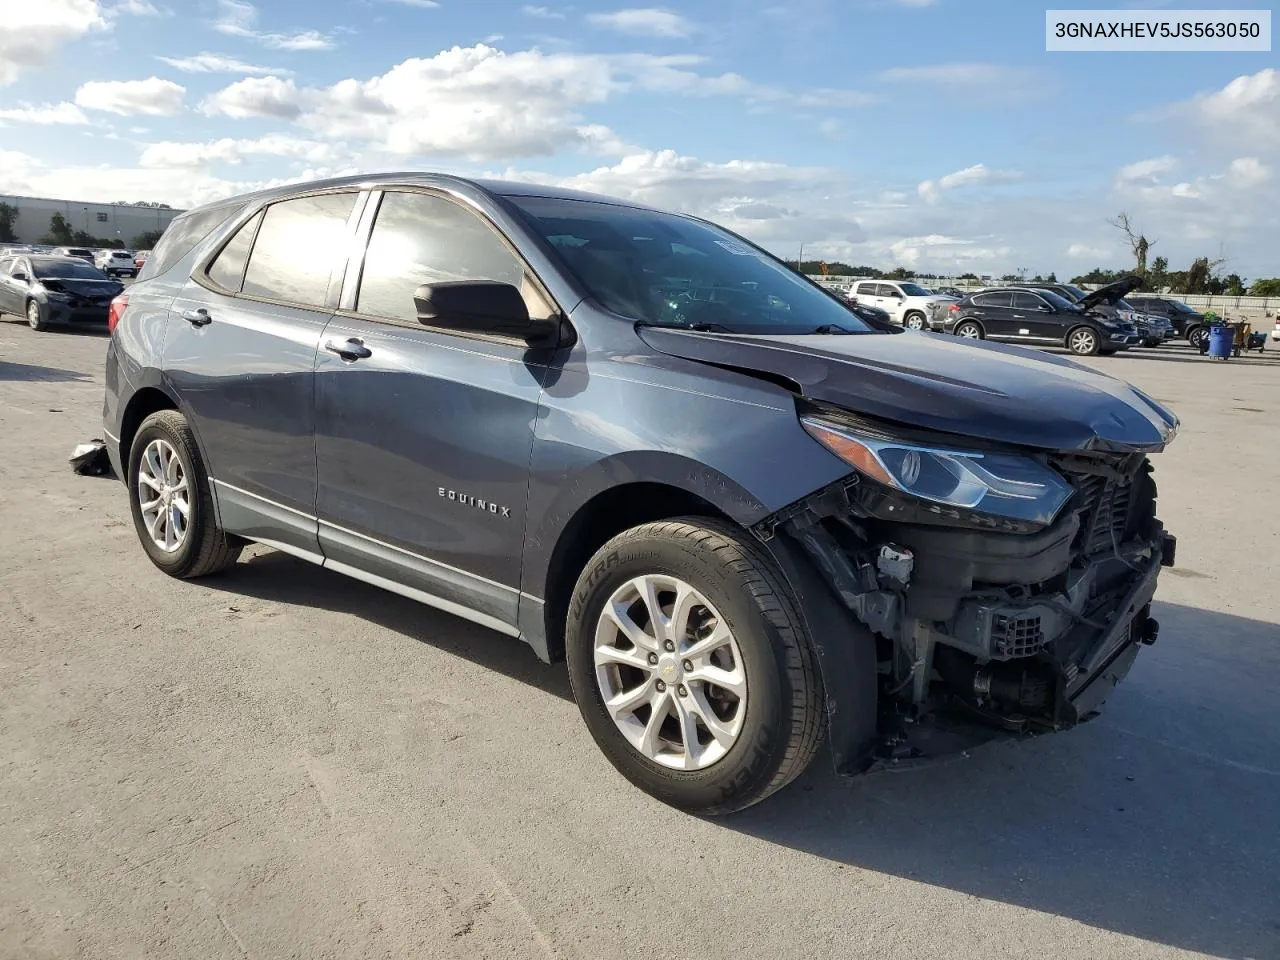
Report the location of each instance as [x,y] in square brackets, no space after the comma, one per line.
[29,219]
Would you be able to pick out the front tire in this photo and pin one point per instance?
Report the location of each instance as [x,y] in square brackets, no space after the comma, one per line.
[691,666]
[914,320]
[1083,342]
[171,502]
[35,316]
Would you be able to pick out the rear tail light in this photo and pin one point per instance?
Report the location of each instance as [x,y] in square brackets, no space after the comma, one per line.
[954,308]
[118,306]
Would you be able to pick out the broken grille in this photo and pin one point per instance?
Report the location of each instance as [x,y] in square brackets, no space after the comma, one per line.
[1106,514]
[1017,636]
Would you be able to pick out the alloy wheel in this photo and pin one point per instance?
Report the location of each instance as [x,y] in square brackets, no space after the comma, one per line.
[164,496]
[915,322]
[33,315]
[670,672]
[968,331]
[1083,341]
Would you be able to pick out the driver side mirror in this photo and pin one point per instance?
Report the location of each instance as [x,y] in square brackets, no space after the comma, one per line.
[483,307]
[20,275]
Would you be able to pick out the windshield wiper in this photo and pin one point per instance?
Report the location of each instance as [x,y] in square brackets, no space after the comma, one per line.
[830,328]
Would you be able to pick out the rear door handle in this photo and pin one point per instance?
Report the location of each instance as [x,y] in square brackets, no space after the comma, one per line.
[351,349]
[197,318]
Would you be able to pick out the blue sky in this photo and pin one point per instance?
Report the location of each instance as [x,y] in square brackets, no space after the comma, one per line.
[936,134]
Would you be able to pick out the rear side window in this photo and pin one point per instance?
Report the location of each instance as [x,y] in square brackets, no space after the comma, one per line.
[865,290]
[227,269]
[299,244]
[181,236]
[420,238]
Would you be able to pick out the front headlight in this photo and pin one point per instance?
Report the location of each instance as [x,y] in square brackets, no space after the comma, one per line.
[56,295]
[1002,484]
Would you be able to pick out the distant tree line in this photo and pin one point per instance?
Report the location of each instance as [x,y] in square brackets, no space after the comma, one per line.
[61,235]
[1200,277]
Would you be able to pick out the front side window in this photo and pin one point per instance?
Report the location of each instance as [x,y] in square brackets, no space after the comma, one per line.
[1027,301]
[6,266]
[423,238]
[299,245]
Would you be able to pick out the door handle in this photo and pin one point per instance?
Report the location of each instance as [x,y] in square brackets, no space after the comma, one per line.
[350,350]
[197,318]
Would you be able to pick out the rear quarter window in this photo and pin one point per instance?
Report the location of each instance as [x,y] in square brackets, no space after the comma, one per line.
[182,235]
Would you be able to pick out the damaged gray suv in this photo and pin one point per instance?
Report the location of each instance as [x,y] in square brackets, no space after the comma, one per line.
[750,521]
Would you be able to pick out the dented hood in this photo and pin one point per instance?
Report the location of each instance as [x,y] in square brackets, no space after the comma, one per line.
[988,391]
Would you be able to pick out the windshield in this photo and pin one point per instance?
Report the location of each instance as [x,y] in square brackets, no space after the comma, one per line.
[66,270]
[670,270]
[911,290]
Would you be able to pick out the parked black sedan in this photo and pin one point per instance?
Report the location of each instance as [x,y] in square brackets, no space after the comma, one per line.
[1038,318]
[51,290]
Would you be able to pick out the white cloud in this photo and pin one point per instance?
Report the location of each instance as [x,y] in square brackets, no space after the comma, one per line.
[151,97]
[975,175]
[422,4]
[218,63]
[916,3]
[544,13]
[1092,254]
[31,32]
[256,97]
[135,8]
[952,74]
[484,104]
[1145,173]
[49,114]
[169,154]
[643,21]
[1247,110]
[238,18]
[23,174]
[1248,172]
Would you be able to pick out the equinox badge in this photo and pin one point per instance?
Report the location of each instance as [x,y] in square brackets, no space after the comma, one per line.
[469,501]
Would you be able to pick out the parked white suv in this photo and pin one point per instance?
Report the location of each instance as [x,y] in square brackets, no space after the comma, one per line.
[906,303]
[115,263]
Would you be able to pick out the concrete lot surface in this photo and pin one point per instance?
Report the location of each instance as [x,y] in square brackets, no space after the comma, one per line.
[284,763]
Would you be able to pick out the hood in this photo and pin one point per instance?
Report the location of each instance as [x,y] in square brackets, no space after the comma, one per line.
[1110,293]
[976,389]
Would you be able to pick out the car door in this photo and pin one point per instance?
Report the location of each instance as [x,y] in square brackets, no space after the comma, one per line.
[997,310]
[1033,318]
[240,353]
[889,298]
[423,435]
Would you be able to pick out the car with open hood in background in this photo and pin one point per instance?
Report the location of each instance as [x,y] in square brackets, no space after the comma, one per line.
[750,521]
[1039,317]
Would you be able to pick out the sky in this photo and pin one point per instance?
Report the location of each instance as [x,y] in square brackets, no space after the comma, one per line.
[932,134]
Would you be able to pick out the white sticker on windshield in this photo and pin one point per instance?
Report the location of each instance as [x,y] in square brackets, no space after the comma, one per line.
[740,249]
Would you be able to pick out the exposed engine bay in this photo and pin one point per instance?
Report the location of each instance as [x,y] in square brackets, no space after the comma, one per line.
[985,626]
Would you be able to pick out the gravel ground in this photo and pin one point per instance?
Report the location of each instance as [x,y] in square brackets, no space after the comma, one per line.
[284,763]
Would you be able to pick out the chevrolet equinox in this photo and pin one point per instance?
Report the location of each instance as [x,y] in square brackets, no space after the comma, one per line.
[748,519]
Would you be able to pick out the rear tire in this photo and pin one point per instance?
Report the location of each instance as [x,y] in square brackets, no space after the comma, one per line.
[737,592]
[182,544]
[969,330]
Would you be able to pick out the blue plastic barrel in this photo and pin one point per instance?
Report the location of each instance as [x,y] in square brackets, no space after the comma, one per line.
[1221,341]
